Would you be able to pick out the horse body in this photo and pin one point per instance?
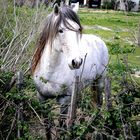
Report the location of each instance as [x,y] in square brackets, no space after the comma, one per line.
[64,53]
[53,71]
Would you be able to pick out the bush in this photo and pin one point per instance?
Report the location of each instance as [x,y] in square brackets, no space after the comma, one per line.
[116,46]
[108,4]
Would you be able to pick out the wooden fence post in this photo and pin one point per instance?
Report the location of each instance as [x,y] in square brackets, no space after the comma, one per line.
[73,106]
[108,93]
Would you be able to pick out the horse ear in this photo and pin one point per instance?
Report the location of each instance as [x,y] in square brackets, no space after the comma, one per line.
[56,9]
[75,7]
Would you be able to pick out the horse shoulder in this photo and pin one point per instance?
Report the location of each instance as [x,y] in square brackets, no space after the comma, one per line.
[97,41]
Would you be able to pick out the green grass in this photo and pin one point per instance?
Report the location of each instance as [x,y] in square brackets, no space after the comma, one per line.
[122,26]
[110,19]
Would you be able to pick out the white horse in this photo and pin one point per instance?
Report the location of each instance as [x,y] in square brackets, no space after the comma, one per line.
[63,53]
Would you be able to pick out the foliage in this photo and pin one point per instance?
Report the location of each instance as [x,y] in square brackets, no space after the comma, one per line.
[116,47]
[20,109]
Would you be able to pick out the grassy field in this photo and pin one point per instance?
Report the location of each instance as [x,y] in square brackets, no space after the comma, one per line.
[114,26]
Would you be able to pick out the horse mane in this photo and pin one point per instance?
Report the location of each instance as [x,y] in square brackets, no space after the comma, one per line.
[51,29]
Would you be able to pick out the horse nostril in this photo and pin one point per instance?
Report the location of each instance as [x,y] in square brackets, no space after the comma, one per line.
[76,64]
[73,63]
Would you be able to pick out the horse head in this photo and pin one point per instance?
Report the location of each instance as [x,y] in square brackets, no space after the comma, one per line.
[68,35]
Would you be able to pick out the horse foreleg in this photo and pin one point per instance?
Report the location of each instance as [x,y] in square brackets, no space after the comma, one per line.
[64,102]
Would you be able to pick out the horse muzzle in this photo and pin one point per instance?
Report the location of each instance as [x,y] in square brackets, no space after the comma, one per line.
[75,63]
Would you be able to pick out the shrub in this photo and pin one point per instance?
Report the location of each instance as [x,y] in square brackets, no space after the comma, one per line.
[108,4]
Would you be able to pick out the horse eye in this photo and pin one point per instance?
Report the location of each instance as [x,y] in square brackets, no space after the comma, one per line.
[60,31]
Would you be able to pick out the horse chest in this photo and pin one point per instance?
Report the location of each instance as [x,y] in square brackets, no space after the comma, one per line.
[50,82]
